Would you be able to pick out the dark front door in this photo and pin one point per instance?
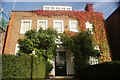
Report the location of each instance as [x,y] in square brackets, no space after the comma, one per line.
[60,64]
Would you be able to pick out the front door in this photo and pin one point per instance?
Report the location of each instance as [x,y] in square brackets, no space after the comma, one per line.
[60,64]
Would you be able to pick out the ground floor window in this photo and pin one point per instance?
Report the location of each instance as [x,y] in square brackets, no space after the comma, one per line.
[16,49]
[93,60]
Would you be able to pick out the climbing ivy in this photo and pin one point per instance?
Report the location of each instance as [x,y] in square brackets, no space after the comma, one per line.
[81,46]
[96,18]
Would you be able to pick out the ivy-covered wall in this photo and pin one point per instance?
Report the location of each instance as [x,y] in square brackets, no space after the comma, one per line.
[97,20]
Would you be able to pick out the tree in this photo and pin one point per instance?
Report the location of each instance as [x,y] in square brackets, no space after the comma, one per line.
[42,42]
[81,46]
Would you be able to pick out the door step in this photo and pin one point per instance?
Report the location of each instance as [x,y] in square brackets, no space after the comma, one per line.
[61,78]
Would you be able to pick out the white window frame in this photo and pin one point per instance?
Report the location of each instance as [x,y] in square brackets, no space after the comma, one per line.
[53,7]
[89,27]
[21,32]
[46,8]
[57,8]
[71,28]
[45,26]
[62,25]
[58,41]
[93,60]
[96,47]
[16,49]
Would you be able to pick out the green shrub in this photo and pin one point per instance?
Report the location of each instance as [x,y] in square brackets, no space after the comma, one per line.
[107,70]
[49,67]
[22,67]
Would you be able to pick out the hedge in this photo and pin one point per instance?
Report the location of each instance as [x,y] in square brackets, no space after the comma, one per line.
[107,70]
[22,67]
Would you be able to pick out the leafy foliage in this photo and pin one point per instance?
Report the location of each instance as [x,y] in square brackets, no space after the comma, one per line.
[81,46]
[21,67]
[96,18]
[49,67]
[42,42]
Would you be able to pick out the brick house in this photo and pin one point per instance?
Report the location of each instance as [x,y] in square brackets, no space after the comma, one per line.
[61,18]
[113,31]
[3,24]
[2,37]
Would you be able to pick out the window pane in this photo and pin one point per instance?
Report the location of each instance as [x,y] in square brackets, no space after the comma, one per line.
[73,26]
[16,49]
[46,8]
[42,24]
[58,26]
[90,30]
[25,26]
[57,8]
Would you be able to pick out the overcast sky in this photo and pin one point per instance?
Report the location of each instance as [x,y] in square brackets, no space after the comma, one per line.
[105,7]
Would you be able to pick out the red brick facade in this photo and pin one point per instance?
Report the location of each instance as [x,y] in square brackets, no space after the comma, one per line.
[96,18]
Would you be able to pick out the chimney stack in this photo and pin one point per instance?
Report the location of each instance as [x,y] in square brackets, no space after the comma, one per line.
[89,7]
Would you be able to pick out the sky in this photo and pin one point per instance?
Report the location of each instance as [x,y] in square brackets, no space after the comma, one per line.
[106,8]
[61,0]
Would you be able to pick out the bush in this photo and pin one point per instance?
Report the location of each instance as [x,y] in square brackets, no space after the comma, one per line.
[22,67]
[107,70]
[49,67]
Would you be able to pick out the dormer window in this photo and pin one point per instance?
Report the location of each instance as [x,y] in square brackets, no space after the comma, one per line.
[52,8]
[68,8]
[55,7]
[46,8]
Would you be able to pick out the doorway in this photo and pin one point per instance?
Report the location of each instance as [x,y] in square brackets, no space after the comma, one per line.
[60,64]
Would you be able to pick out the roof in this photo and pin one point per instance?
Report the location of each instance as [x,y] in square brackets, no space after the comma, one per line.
[114,12]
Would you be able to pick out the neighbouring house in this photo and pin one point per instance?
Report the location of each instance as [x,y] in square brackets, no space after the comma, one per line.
[3,25]
[113,32]
[2,37]
[63,19]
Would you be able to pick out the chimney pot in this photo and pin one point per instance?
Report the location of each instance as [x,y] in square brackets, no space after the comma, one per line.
[89,7]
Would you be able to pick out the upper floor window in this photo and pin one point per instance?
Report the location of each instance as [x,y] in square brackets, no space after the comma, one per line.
[42,24]
[25,26]
[89,27]
[58,25]
[73,26]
